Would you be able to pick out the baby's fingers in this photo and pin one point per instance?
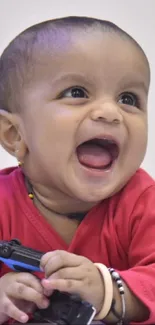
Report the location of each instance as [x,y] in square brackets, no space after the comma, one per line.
[30,281]
[63,285]
[21,291]
[13,312]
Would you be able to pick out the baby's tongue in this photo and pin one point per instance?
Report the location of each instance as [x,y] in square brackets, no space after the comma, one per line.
[93,155]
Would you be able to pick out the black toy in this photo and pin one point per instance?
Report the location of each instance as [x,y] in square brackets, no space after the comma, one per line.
[64,308]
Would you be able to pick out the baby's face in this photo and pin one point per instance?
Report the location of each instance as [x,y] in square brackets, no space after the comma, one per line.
[85,115]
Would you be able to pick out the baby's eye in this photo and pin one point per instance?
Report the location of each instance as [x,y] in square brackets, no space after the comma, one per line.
[74,92]
[129,99]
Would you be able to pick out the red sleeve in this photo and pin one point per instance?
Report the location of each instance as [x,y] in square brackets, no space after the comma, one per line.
[140,277]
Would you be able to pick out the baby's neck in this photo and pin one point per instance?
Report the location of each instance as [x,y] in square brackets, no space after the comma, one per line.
[63,214]
[56,202]
[63,225]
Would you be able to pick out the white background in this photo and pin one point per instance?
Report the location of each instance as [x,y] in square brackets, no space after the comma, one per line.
[137,17]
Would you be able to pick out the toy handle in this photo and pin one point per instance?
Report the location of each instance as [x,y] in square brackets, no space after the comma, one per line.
[19,266]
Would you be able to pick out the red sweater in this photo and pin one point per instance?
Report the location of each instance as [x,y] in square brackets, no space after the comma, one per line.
[119,232]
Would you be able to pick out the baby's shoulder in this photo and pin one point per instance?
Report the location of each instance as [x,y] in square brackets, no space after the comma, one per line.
[9,189]
[139,183]
[6,183]
[133,207]
[11,198]
[137,196]
[141,179]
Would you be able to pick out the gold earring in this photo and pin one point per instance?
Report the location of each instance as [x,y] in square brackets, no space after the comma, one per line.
[20,163]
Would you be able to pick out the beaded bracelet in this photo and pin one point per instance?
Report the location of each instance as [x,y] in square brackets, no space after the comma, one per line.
[116,277]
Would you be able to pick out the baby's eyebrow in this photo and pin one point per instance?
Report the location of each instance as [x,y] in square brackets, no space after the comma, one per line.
[84,79]
[139,84]
[73,77]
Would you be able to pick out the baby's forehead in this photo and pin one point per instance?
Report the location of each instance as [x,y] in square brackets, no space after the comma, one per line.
[62,41]
[83,51]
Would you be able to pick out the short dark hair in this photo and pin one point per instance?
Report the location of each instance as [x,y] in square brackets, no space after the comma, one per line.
[15,59]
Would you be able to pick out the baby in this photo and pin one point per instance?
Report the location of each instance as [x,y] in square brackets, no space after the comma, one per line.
[73,111]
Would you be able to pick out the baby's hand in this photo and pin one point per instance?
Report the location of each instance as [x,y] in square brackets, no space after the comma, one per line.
[20,293]
[73,274]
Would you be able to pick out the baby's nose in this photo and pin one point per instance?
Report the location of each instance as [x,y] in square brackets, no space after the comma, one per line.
[109,112]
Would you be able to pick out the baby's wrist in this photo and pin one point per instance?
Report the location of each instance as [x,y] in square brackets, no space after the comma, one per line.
[108,291]
[113,308]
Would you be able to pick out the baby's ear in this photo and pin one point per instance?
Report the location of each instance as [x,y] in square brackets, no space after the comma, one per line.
[11,137]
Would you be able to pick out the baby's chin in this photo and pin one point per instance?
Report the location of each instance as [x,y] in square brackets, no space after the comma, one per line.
[92,195]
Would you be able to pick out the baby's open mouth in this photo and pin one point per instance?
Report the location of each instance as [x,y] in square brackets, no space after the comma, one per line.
[98,153]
